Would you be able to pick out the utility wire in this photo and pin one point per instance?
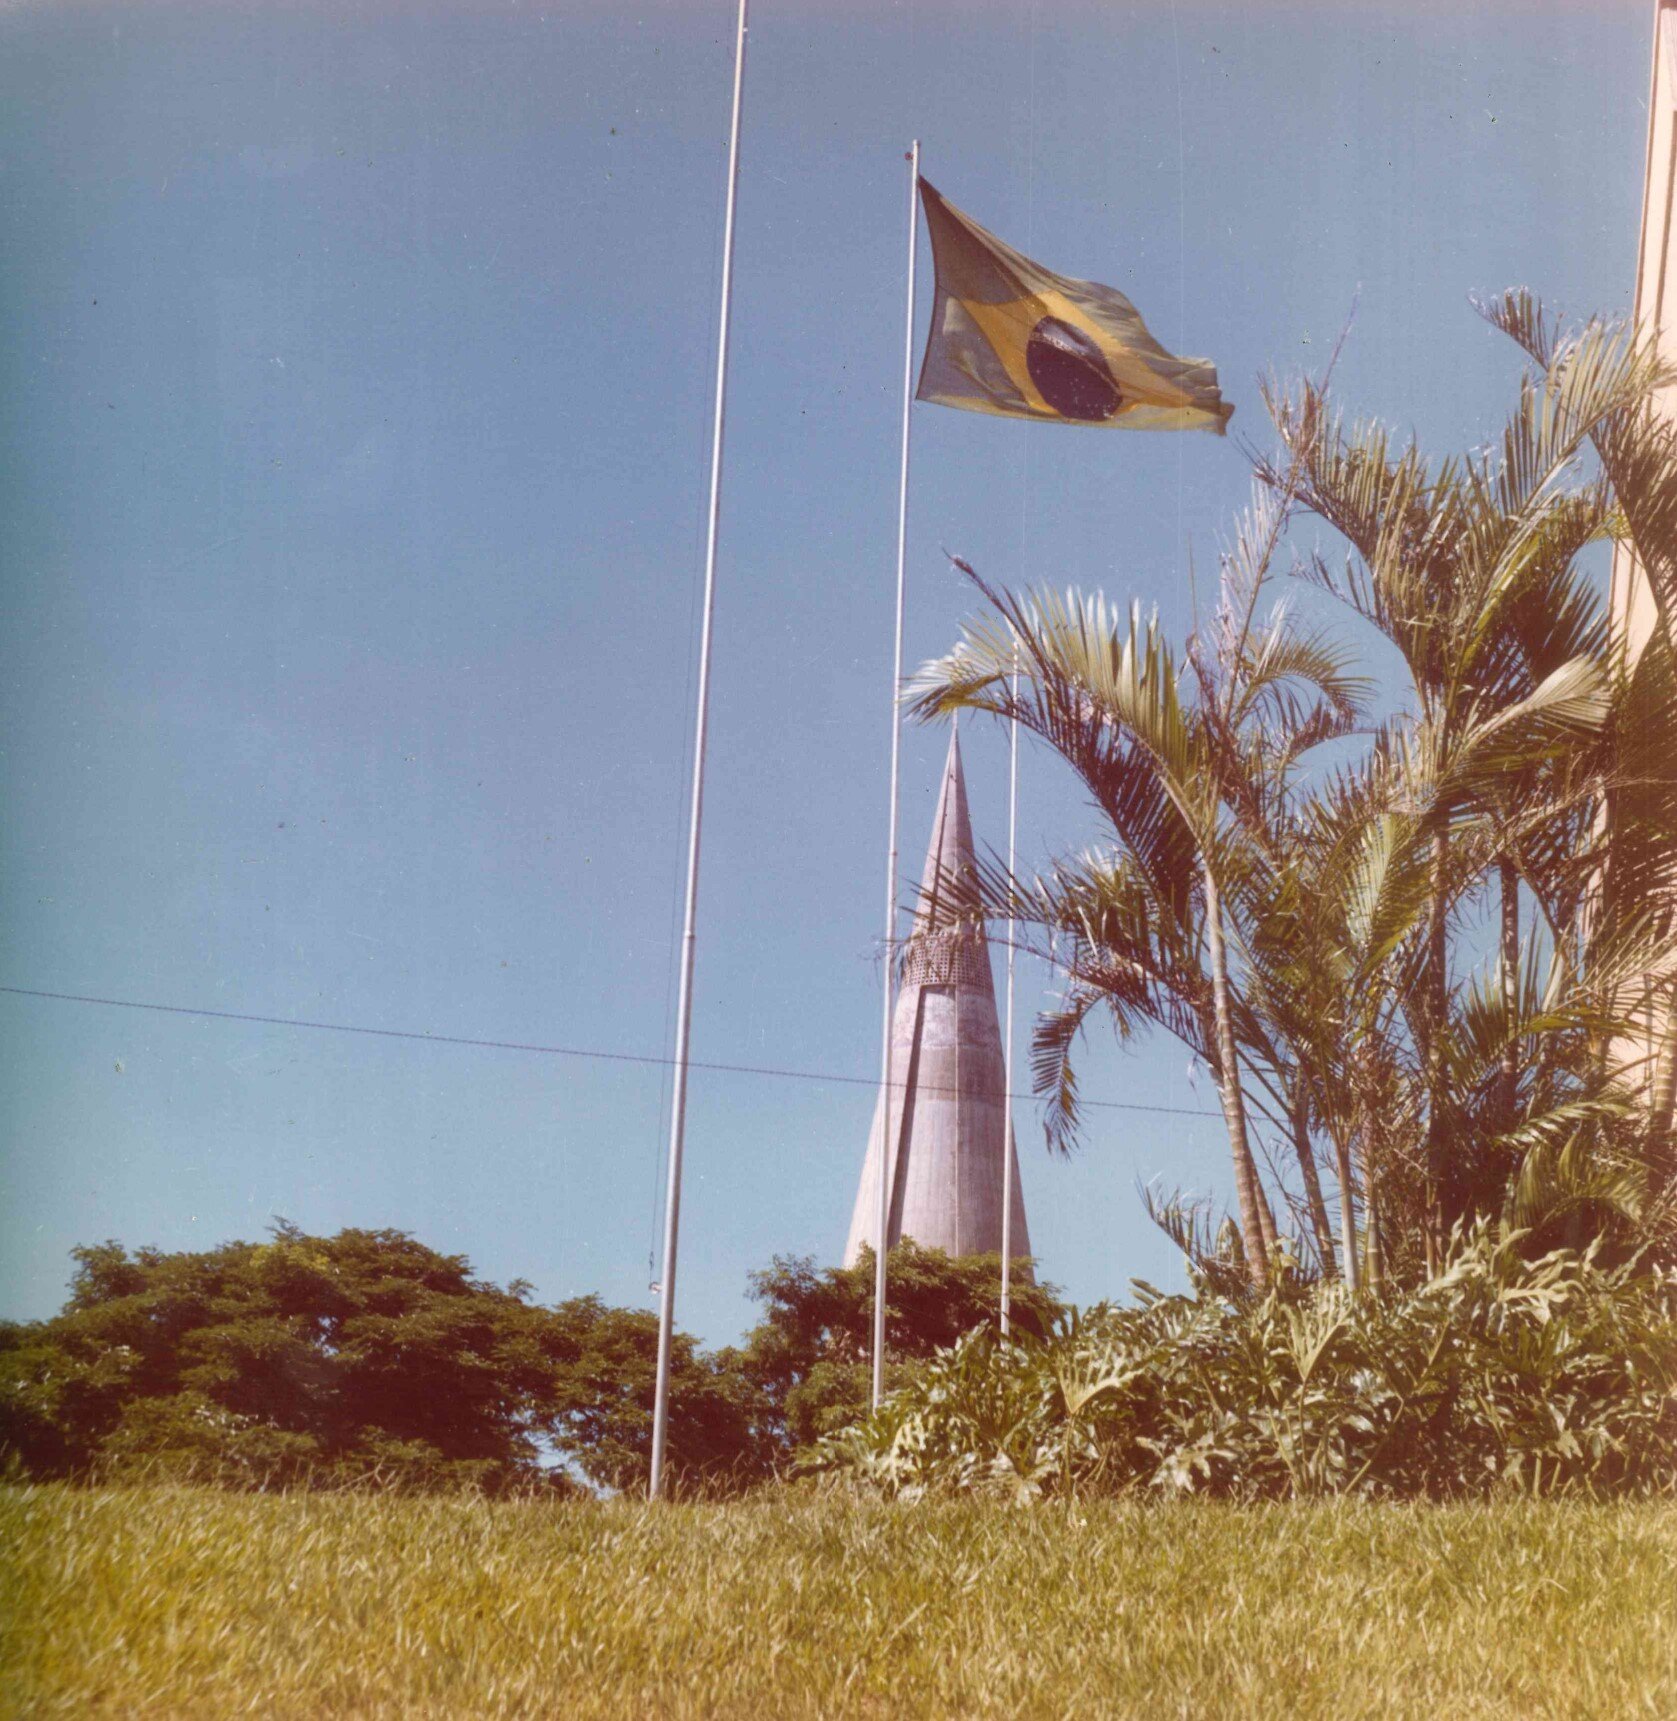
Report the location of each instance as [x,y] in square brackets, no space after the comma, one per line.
[527,1046]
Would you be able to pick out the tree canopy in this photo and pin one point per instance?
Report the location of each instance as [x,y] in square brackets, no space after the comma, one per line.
[364,1355]
[368,1358]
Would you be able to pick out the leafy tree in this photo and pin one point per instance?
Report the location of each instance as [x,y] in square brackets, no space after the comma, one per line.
[364,1357]
[361,1356]
[809,1356]
[724,1430]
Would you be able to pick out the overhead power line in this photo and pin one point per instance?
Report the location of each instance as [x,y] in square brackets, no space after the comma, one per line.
[530,1046]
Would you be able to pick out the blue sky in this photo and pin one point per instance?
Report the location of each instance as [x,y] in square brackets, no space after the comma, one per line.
[356,364]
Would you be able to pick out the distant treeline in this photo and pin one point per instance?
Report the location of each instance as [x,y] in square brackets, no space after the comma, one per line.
[369,1359]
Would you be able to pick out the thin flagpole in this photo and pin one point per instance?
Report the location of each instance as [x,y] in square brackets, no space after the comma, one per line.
[888,1144]
[1007,1048]
[684,1009]
[1009,1147]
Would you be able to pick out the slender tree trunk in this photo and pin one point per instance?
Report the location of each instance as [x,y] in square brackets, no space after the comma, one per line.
[1510,986]
[1376,1237]
[1347,1214]
[1266,1213]
[1364,1139]
[1436,1007]
[1248,1190]
[1319,1221]
[1662,1089]
[1542,1083]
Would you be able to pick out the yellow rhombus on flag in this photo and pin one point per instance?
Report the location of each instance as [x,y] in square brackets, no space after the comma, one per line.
[1012,338]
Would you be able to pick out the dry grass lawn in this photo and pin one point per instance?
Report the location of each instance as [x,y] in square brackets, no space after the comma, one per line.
[178,1601]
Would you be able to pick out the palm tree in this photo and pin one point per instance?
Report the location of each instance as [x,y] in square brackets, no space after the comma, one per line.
[1309,935]
[1636,444]
[1470,570]
[1189,764]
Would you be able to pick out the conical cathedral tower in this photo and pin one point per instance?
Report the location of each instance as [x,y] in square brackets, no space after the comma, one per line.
[946,1113]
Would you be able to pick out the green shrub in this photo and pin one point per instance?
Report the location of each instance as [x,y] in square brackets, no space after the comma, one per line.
[1547,1376]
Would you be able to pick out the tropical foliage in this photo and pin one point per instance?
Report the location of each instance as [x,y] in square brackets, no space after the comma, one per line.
[1502,1373]
[1297,859]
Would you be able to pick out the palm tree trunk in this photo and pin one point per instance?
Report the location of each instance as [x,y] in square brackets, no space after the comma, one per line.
[1347,1214]
[1542,1084]
[1662,1090]
[1248,1190]
[1510,882]
[1266,1214]
[1364,1139]
[1437,985]
[1319,1221]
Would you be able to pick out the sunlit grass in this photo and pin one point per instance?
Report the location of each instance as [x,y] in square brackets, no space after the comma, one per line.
[175,1601]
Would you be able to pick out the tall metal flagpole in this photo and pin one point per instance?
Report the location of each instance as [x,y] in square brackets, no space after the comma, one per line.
[1007,1048]
[684,1012]
[887,1144]
[1009,1147]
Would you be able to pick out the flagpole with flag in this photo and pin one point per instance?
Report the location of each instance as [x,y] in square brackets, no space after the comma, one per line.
[888,1147]
[684,1011]
[1014,339]
[1009,1148]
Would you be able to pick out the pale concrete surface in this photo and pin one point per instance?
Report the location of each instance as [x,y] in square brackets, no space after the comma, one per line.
[948,1103]
[1635,616]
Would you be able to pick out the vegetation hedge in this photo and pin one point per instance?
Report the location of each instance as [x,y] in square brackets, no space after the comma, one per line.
[1547,1376]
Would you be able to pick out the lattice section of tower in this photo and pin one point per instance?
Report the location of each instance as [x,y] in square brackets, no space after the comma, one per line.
[956,958]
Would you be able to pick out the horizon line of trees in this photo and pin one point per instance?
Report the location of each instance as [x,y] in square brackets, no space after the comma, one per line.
[368,1359]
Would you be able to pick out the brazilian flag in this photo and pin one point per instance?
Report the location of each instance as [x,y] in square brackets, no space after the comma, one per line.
[1012,338]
